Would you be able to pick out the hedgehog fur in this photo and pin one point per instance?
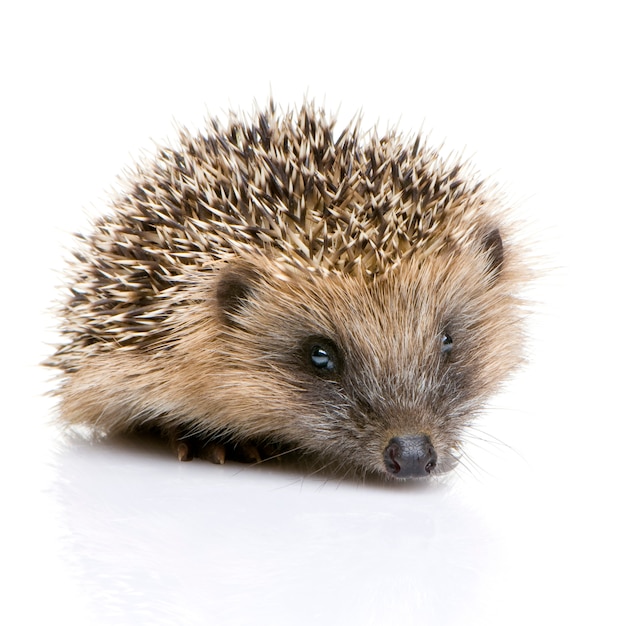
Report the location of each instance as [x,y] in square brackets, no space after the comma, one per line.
[276,284]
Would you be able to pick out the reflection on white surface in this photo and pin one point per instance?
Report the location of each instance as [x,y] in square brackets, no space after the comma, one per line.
[159,541]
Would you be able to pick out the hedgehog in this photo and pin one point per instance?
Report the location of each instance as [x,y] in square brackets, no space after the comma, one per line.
[274,285]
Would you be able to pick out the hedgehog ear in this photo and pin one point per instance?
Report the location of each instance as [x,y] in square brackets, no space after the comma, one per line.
[494,249]
[235,286]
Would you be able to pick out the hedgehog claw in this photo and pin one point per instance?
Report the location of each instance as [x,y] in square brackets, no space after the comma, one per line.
[214,452]
[183,452]
[249,453]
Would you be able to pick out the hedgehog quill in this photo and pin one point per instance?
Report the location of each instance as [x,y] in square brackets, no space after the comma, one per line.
[273,284]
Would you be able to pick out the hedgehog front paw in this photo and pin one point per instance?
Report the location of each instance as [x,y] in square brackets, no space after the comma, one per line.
[188,447]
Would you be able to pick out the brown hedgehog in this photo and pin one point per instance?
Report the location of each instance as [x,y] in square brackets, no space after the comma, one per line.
[271,284]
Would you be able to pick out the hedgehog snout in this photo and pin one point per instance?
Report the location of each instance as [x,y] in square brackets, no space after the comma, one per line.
[410,457]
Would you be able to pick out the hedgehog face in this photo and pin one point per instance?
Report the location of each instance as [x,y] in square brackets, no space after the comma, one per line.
[382,375]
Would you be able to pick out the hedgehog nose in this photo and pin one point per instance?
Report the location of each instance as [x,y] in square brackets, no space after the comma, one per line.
[410,457]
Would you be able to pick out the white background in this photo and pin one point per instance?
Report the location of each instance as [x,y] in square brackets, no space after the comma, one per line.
[533,530]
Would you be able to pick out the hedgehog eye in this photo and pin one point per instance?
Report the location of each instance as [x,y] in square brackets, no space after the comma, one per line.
[322,355]
[446,343]
[322,359]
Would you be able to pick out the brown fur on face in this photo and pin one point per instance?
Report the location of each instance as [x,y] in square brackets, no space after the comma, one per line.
[204,304]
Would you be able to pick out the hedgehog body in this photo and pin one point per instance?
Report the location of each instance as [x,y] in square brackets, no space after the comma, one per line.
[273,281]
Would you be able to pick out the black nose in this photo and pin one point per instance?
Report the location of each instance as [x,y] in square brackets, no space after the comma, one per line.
[410,457]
